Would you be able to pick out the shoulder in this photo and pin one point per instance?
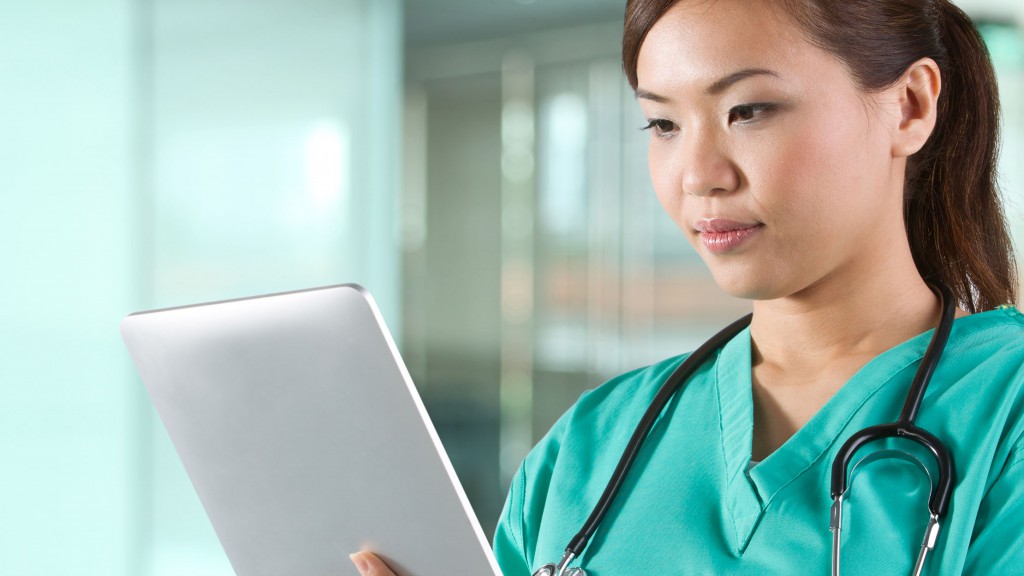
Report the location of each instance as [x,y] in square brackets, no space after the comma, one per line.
[604,408]
[636,387]
[1000,330]
[984,358]
[979,412]
[981,379]
[997,348]
[985,353]
[593,432]
[588,436]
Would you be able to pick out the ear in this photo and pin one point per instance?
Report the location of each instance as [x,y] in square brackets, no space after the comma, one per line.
[917,94]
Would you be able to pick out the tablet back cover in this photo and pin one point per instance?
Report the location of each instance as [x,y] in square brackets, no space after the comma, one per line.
[304,437]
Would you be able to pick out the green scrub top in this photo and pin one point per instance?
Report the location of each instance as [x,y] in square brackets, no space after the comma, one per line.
[694,504]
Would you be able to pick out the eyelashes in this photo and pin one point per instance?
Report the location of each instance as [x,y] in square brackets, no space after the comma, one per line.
[742,114]
[659,126]
[745,113]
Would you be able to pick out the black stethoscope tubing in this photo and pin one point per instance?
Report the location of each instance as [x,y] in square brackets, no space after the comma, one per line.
[904,427]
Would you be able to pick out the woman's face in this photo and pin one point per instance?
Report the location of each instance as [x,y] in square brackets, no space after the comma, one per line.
[775,165]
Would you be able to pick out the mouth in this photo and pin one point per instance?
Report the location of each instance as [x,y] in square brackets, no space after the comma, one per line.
[721,235]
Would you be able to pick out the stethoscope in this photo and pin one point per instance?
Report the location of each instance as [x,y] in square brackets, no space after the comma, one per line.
[903,427]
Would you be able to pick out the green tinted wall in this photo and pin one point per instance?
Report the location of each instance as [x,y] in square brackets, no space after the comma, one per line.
[66,274]
[159,153]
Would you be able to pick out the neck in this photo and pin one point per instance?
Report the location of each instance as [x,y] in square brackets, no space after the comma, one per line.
[842,318]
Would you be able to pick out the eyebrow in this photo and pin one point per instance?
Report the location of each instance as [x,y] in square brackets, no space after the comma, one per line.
[716,87]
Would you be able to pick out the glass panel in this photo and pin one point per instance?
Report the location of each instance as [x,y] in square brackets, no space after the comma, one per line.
[68,276]
[452,267]
[273,129]
[160,152]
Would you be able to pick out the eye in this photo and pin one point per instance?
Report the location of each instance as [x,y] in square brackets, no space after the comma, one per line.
[747,113]
[660,127]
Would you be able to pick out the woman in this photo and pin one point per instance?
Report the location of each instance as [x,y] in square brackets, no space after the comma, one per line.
[825,158]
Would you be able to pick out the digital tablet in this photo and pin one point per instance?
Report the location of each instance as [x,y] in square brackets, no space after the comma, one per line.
[304,437]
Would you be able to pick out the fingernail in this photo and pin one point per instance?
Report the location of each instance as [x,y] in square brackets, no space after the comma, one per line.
[361,564]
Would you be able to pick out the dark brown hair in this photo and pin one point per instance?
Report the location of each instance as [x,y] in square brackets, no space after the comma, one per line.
[953,214]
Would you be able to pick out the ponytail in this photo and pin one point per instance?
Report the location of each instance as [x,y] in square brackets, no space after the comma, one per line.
[952,210]
[954,217]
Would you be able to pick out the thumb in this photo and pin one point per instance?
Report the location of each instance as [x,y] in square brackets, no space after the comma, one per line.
[369,564]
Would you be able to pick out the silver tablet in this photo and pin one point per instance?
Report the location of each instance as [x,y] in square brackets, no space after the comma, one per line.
[304,437]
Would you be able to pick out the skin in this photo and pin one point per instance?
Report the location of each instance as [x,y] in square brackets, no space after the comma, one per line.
[817,173]
[369,565]
[818,176]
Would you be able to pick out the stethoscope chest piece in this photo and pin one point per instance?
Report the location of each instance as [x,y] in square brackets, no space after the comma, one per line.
[552,570]
[560,569]
[904,427]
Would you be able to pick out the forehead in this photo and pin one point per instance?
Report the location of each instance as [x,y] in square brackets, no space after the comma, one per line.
[698,41]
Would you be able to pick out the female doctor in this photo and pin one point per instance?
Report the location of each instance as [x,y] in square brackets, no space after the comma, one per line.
[825,158]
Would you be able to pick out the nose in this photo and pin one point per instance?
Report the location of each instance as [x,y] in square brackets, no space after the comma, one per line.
[707,167]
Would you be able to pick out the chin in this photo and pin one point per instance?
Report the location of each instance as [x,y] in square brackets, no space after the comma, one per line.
[746,285]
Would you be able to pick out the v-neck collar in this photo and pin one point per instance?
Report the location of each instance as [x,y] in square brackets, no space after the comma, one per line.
[750,490]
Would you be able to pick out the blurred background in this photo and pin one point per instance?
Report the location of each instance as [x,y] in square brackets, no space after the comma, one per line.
[475,163]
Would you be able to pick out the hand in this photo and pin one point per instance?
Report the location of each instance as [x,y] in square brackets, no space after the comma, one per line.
[369,565]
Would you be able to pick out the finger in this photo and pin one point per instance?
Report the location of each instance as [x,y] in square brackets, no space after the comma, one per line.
[369,565]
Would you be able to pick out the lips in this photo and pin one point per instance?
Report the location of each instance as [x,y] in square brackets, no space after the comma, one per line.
[721,235]
[722,225]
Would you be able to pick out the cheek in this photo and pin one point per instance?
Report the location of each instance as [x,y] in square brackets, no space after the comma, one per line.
[814,171]
[666,178]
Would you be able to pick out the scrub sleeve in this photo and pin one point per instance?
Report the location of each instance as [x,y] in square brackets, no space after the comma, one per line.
[997,545]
